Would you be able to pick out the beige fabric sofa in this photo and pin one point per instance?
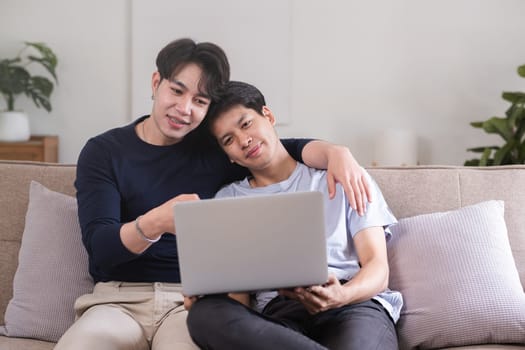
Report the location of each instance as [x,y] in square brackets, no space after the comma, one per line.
[408,190]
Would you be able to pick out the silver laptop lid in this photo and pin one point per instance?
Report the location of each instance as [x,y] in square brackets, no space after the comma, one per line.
[251,243]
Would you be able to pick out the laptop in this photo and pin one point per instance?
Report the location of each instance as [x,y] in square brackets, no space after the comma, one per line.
[245,244]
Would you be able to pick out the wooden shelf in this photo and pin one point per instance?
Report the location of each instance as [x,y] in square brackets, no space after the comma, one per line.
[39,148]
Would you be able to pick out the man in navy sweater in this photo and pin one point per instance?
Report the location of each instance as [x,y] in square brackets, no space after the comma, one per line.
[128,180]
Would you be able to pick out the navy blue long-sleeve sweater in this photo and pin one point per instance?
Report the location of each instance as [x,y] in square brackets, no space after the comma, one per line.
[120,177]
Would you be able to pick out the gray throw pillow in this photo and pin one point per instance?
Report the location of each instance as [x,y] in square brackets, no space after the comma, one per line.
[458,278]
[52,268]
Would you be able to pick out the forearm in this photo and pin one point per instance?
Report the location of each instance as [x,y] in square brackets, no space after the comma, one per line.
[316,153]
[368,282]
[138,235]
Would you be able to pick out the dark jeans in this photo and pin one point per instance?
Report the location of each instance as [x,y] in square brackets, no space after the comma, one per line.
[218,322]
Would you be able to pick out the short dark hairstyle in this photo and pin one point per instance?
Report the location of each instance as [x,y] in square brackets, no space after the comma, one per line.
[208,56]
[236,93]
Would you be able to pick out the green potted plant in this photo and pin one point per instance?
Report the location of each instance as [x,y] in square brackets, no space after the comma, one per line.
[511,128]
[16,79]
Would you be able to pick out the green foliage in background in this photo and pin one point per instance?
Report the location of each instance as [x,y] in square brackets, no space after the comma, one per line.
[511,128]
[15,78]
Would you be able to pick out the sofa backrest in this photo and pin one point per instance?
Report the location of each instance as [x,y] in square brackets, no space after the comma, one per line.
[408,190]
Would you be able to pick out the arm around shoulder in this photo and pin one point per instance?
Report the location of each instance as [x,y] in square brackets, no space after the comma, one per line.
[341,167]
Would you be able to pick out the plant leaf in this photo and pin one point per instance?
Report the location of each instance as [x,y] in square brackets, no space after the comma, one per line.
[471,162]
[483,161]
[516,117]
[521,70]
[10,61]
[511,129]
[48,60]
[39,90]
[514,97]
[47,65]
[13,79]
[45,51]
[497,125]
[504,152]
[514,110]
[481,149]
[521,153]
[42,85]
[520,131]
[39,99]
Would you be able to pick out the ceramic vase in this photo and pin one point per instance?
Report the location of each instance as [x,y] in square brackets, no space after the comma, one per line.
[14,126]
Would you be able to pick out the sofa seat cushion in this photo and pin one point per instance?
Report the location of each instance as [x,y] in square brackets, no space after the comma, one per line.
[7,343]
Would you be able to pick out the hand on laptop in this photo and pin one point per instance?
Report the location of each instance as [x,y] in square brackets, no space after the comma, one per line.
[189,301]
[162,215]
[319,298]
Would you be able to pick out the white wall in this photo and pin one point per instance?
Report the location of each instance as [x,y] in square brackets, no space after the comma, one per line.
[357,68]
[91,41]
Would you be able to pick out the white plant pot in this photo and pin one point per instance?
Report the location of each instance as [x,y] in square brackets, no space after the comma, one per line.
[14,126]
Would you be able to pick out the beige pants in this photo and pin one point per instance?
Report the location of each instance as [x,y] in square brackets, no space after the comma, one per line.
[124,315]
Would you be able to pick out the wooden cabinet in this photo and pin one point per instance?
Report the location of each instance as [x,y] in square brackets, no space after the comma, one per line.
[39,148]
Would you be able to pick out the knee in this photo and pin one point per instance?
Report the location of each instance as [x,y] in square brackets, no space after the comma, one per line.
[209,316]
[205,312]
[97,329]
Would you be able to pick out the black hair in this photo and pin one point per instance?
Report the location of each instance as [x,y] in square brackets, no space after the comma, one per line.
[235,93]
[208,56]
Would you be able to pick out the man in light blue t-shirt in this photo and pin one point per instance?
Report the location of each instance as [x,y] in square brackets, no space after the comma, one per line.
[354,309]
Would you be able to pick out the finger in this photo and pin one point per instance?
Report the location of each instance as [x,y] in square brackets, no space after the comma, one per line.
[186,197]
[332,279]
[349,192]
[350,195]
[312,295]
[364,196]
[191,197]
[310,309]
[322,291]
[188,302]
[312,302]
[317,293]
[358,197]
[331,185]
[368,190]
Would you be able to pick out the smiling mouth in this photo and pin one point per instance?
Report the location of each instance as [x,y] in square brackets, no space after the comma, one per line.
[253,150]
[179,121]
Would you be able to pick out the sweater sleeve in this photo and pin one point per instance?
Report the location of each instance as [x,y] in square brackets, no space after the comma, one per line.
[99,203]
[295,147]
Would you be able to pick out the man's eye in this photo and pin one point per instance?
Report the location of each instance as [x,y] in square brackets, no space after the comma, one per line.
[246,124]
[177,91]
[202,102]
[227,141]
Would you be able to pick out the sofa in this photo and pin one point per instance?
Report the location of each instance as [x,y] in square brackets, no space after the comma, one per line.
[461,232]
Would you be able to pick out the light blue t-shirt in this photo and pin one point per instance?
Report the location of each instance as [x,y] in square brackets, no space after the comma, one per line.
[342,224]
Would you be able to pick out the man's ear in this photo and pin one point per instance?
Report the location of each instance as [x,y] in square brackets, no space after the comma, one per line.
[268,114]
[155,82]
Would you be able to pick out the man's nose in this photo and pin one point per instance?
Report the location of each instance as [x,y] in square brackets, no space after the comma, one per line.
[184,105]
[246,140]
